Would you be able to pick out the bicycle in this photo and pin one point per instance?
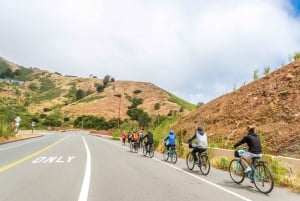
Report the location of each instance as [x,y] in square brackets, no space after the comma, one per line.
[203,164]
[170,153]
[135,146]
[260,174]
[148,150]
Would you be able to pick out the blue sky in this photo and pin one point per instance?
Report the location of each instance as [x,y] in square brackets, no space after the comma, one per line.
[195,49]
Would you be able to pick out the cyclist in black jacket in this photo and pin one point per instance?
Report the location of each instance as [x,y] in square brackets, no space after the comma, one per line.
[149,141]
[254,146]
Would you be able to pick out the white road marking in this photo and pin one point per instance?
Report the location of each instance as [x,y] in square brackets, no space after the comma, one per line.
[192,175]
[87,175]
[204,180]
[10,147]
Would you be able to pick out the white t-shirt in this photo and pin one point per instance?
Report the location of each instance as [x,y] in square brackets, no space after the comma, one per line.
[201,140]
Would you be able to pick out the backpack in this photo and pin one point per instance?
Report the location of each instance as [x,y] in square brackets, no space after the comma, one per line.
[135,136]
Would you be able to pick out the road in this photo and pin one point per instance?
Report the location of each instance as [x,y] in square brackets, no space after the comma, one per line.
[73,165]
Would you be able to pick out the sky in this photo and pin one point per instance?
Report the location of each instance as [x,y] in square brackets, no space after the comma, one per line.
[196,49]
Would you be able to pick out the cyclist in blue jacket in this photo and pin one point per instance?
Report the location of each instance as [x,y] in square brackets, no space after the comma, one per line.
[170,140]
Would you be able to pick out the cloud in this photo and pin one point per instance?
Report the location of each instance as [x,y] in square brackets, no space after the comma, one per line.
[197,50]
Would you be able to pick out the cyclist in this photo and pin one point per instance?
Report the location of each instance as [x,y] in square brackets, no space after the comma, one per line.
[140,138]
[149,142]
[135,139]
[201,145]
[123,135]
[129,137]
[170,140]
[254,147]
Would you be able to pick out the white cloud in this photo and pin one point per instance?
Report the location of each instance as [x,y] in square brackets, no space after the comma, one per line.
[197,50]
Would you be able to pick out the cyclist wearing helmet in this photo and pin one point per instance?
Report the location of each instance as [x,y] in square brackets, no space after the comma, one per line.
[201,144]
[149,141]
[254,146]
[170,140]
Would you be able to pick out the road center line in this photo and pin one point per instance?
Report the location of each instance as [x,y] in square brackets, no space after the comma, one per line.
[13,164]
[87,175]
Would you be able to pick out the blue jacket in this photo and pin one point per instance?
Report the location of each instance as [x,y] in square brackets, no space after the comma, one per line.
[171,138]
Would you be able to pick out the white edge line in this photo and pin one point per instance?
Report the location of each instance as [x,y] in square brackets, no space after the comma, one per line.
[199,178]
[87,175]
[204,180]
[13,146]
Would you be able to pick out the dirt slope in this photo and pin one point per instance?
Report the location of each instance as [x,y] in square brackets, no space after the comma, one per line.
[271,103]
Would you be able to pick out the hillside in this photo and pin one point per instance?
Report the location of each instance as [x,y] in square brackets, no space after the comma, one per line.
[271,103]
[44,92]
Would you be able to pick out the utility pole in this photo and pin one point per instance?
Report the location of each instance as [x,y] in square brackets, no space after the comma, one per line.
[119,114]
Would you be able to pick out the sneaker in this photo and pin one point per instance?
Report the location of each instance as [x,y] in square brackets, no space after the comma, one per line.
[248,169]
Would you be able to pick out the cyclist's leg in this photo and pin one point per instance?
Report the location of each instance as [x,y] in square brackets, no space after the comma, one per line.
[194,153]
[244,159]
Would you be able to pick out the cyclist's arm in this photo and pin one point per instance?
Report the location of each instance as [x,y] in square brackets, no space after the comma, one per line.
[244,140]
[193,137]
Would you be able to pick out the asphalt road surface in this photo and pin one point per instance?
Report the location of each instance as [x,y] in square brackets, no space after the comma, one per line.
[73,165]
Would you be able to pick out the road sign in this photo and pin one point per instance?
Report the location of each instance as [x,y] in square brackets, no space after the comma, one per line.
[17,124]
[18,119]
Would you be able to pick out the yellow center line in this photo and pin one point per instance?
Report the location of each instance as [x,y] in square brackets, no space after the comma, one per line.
[13,164]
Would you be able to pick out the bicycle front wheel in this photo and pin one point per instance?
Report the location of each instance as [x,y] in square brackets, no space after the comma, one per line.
[263,179]
[173,156]
[236,171]
[190,161]
[204,165]
[151,152]
[166,154]
[144,150]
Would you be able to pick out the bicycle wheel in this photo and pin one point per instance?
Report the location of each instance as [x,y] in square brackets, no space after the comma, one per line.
[190,161]
[135,148]
[173,156]
[236,171]
[204,164]
[263,179]
[165,154]
[130,147]
[151,152]
[144,150]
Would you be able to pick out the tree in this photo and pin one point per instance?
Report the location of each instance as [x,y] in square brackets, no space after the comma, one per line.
[267,70]
[296,56]
[106,80]
[200,104]
[100,88]
[79,94]
[255,74]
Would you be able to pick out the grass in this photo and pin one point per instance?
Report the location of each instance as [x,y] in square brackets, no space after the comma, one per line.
[6,130]
[181,102]
[283,176]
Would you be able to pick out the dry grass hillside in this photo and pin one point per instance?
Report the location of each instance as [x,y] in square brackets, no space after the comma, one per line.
[44,90]
[107,104]
[271,103]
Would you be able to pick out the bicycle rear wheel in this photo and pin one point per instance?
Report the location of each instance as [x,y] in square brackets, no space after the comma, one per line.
[165,154]
[173,156]
[204,164]
[236,171]
[263,179]
[190,161]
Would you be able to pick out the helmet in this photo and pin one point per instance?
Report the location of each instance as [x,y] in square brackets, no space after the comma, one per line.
[199,128]
[171,132]
[251,128]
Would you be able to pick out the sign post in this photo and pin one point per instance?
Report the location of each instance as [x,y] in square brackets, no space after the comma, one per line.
[32,125]
[17,120]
